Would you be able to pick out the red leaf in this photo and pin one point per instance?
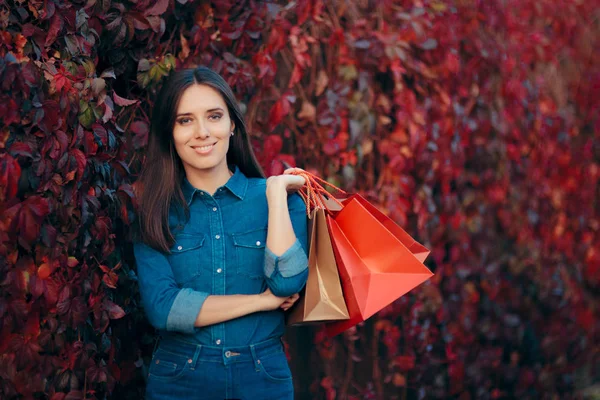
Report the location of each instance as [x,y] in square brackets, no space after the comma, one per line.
[32,327]
[139,21]
[110,279]
[75,395]
[585,318]
[10,172]
[331,147]
[80,160]
[100,131]
[114,311]
[21,149]
[279,110]
[45,270]
[405,363]
[266,66]
[140,130]
[56,25]
[64,300]
[27,218]
[159,7]
[272,146]
[9,111]
[296,75]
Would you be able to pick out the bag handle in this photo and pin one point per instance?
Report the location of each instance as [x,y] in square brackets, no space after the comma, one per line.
[313,191]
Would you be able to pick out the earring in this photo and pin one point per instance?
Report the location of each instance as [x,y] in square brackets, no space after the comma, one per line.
[232,133]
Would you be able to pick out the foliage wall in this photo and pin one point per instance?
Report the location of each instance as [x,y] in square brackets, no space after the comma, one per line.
[471,123]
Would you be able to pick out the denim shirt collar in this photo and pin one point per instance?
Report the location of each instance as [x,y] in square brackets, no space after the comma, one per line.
[237,185]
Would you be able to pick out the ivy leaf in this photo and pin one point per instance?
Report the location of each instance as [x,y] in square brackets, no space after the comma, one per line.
[280,110]
[114,311]
[26,219]
[122,101]
[98,85]
[108,73]
[159,8]
[56,25]
[10,172]
[140,131]
[80,161]
[101,133]
[86,115]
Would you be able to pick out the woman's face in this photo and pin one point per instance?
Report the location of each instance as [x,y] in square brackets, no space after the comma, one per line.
[202,129]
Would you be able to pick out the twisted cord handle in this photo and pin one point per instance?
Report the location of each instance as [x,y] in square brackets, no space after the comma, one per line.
[313,191]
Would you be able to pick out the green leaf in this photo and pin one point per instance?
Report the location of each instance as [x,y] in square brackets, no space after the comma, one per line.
[90,68]
[86,115]
[157,72]
[98,85]
[170,61]
[143,79]
[348,72]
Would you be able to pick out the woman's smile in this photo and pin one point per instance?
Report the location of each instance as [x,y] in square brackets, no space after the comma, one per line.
[204,149]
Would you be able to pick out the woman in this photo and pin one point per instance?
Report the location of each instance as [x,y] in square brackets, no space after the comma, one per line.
[222,251]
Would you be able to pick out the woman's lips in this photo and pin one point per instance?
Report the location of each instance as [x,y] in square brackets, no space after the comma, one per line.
[203,149]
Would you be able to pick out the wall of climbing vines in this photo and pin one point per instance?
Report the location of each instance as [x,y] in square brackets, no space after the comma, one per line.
[473,124]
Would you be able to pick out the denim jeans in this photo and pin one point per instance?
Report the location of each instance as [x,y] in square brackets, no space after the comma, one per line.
[184,370]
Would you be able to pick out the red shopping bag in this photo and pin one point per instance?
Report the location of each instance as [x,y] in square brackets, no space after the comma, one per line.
[378,261]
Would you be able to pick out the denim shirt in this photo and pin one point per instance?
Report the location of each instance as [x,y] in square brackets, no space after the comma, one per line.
[221,250]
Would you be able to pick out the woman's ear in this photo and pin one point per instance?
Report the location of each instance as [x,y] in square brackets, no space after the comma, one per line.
[232,129]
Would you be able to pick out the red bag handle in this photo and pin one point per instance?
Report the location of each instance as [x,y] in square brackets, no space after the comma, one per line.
[313,191]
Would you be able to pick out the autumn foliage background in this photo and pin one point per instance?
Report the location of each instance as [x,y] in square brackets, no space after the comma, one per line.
[473,124]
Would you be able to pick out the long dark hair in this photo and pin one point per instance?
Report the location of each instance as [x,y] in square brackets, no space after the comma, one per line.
[159,183]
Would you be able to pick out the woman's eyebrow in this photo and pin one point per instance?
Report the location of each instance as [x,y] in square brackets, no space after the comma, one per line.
[191,114]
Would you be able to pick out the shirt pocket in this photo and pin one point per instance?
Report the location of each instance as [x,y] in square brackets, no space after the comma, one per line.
[250,252]
[188,253]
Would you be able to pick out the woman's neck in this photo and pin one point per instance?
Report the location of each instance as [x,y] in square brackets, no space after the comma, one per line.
[209,180]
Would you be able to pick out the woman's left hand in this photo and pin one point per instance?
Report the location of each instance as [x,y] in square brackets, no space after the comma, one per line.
[287,181]
[289,302]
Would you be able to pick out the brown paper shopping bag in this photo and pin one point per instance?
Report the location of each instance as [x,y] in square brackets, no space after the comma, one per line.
[322,298]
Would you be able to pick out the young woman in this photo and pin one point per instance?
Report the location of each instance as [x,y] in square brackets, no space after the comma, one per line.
[222,251]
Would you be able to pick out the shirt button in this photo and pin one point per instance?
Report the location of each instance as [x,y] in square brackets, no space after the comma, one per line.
[227,354]
[214,208]
[219,271]
[258,243]
[179,248]
[218,341]
[201,193]
[218,237]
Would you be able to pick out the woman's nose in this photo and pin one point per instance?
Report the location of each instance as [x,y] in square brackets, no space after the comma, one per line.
[202,131]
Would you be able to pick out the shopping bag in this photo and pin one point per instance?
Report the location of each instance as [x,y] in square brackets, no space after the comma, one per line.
[322,298]
[377,260]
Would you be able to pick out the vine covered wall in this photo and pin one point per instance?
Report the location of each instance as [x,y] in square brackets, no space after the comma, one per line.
[473,124]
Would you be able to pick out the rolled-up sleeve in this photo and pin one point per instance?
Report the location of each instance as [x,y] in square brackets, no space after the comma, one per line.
[287,274]
[167,306]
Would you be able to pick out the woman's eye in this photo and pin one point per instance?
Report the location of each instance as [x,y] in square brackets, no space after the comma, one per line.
[215,117]
[183,121]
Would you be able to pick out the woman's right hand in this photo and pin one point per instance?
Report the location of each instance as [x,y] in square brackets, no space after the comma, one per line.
[269,302]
